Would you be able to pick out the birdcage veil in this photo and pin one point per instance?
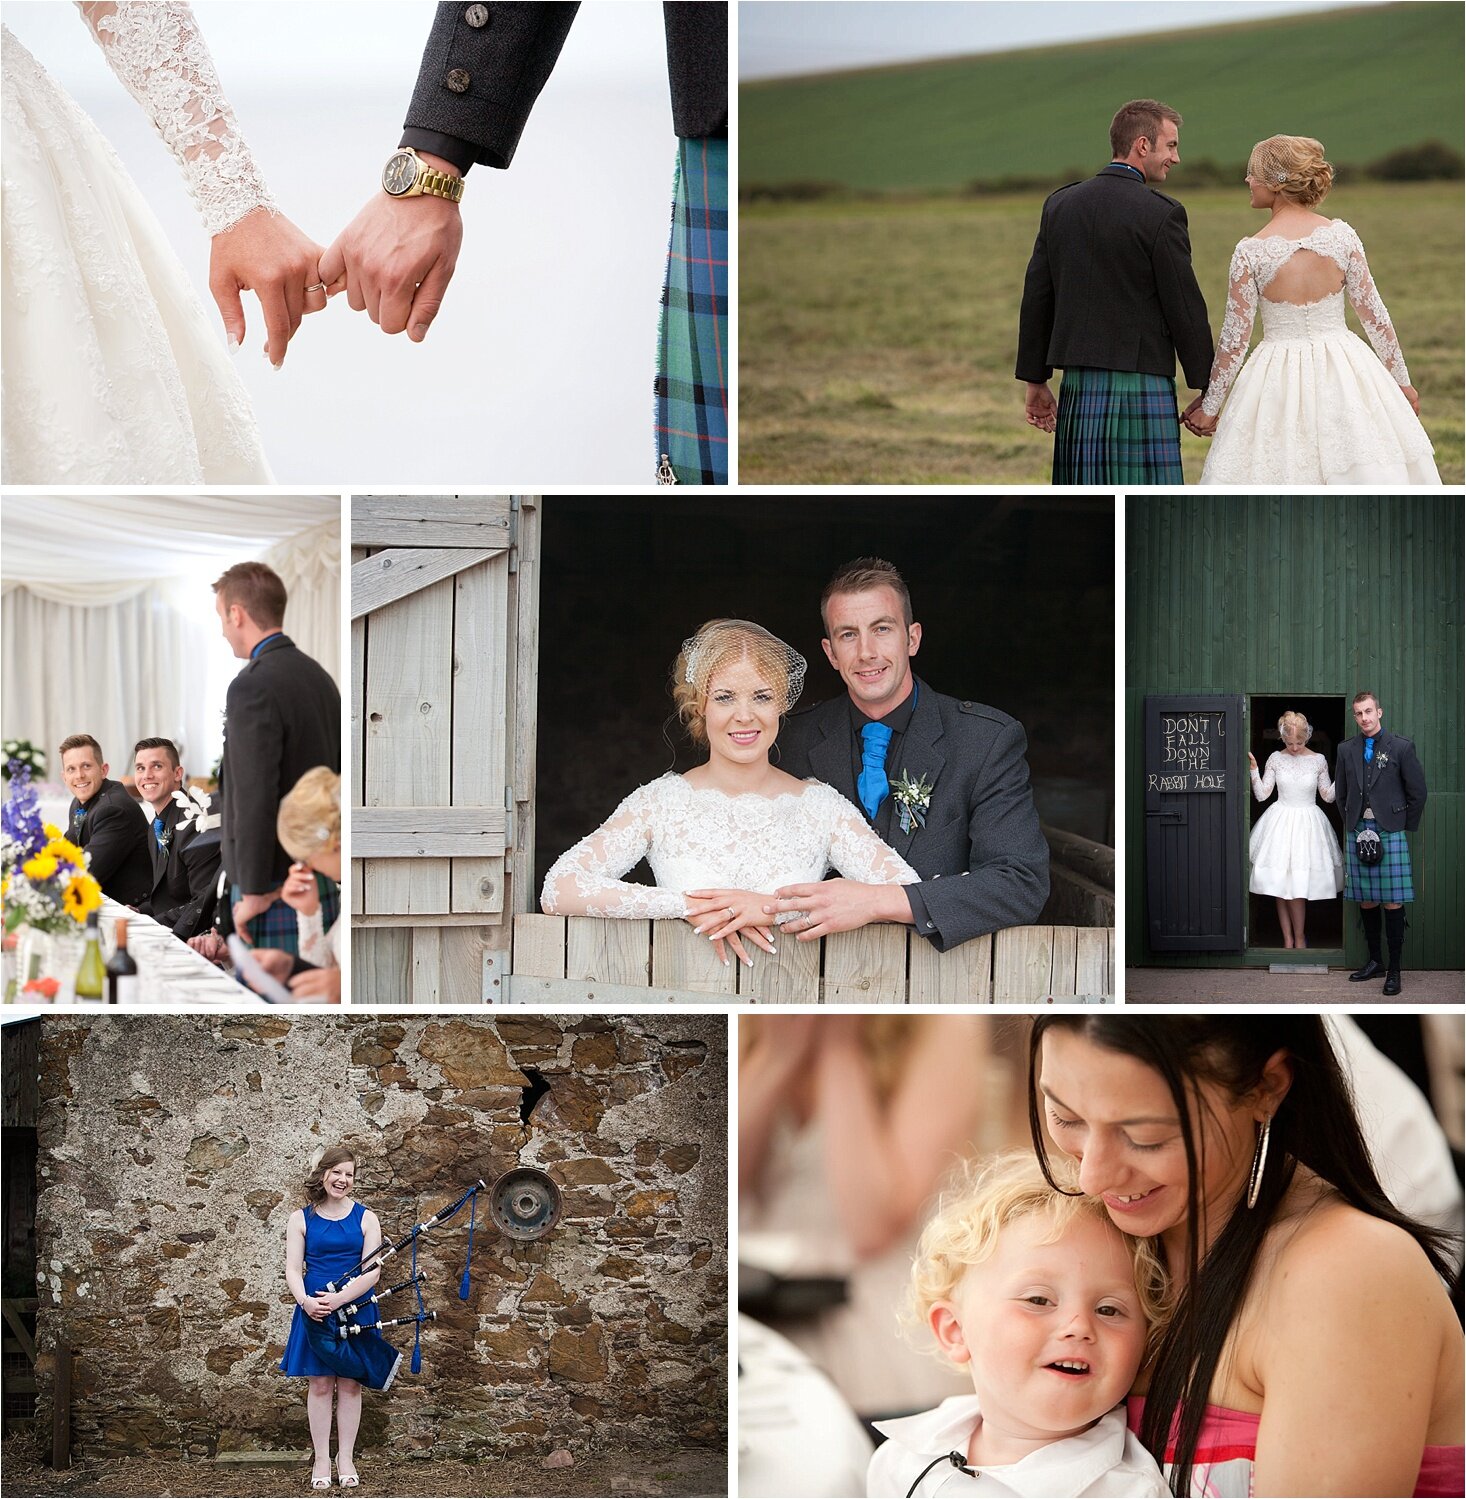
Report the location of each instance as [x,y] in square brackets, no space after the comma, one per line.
[722,641]
[1292,716]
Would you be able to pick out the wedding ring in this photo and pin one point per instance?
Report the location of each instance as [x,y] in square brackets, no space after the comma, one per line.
[730,913]
[319,286]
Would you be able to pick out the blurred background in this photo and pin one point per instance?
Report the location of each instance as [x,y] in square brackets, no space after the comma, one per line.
[890,193]
[535,332]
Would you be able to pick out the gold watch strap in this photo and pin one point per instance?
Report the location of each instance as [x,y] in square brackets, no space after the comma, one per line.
[439,184]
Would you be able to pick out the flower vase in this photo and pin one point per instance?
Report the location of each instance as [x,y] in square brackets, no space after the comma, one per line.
[25,964]
[64,952]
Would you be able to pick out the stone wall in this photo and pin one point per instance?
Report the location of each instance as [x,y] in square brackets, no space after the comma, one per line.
[171,1154]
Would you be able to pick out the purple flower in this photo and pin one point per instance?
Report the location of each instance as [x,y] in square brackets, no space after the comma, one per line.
[21,815]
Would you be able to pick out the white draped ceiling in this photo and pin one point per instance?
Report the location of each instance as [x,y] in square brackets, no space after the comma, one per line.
[108,625]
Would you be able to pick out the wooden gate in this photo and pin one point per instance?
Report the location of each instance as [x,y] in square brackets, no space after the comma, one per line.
[444,606]
[1194,869]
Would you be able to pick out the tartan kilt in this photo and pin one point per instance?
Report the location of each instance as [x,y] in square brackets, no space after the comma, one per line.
[277,926]
[692,335]
[1389,880]
[1116,428]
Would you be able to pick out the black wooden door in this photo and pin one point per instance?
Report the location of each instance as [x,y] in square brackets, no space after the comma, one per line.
[1194,780]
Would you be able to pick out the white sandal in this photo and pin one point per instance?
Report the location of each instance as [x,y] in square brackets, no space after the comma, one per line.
[350,1480]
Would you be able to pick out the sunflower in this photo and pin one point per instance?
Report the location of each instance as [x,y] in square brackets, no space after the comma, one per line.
[39,867]
[50,830]
[63,848]
[82,896]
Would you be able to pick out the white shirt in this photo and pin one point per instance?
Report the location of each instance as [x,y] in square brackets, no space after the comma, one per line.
[1105,1460]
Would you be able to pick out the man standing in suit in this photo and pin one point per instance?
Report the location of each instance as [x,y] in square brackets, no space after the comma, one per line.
[282,718]
[1111,299]
[105,821]
[1380,789]
[482,70]
[943,781]
[183,878]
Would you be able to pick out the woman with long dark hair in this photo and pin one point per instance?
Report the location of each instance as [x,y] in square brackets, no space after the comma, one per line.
[1314,1348]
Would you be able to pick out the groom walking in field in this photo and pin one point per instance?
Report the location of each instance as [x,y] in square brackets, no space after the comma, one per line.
[1111,299]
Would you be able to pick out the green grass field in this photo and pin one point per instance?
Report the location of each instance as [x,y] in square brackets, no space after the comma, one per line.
[1363,81]
[876,339]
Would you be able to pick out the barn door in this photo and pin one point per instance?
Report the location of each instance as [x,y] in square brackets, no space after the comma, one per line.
[1194,868]
[443,597]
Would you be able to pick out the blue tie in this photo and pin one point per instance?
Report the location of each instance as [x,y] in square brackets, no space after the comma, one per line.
[874,788]
[158,830]
[1369,749]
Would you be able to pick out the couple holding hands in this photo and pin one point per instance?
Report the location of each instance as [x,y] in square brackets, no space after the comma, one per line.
[112,374]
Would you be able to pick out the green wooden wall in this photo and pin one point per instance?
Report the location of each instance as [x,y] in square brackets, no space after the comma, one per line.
[1315,594]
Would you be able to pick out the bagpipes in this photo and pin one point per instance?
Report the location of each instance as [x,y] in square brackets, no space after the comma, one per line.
[524,1204]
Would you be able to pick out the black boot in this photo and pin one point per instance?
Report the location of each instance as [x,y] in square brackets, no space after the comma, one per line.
[1395,940]
[1369,918]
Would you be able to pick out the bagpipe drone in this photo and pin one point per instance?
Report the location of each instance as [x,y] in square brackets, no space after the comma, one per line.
[523,1204]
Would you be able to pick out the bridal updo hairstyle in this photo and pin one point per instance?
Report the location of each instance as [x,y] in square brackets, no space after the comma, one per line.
[717,643]
[1293,722]
[1294,166]
[309,821]
[315,1179]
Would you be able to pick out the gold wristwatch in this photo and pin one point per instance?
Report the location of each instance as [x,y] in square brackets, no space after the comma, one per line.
[407,175]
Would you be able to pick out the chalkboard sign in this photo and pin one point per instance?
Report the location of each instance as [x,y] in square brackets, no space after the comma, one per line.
[1192,753]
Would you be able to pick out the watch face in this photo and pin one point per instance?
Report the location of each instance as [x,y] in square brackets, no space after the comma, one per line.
[400,173]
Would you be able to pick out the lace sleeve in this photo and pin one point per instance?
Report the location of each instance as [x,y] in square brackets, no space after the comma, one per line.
[312,941]
[1325,785]
[156,51]
[586,879]
[859,854]
[1262,785]
[1236,332]
[1365,299]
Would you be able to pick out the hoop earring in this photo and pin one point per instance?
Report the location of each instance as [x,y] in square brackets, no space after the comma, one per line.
[1259,1162]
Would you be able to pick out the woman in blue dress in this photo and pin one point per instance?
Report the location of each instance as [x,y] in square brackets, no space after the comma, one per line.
[325,1239]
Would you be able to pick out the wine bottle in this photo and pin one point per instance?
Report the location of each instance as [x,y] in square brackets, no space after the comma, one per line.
[91,976]
[122,978]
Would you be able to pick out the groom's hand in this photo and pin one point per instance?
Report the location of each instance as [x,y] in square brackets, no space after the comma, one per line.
[1040,410]
[838,906]
[1194,419]
[397,257]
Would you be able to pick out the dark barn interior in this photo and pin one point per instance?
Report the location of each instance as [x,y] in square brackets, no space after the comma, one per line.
[1015,596]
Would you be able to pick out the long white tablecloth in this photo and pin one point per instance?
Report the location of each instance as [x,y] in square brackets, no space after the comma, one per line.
[169,970]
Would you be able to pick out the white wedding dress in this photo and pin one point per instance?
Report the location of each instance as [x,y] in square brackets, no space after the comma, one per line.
[1312,405]
[699,838]
[112,372]
[1293,848]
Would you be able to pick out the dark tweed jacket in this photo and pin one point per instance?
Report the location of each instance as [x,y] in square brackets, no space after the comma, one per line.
[982,857]
[1110,285]
[478,83]
[117,839]
[183,880]
[1392,785]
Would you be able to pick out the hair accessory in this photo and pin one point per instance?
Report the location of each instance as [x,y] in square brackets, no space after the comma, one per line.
[1259,1162]
[737,639]
[1281,177]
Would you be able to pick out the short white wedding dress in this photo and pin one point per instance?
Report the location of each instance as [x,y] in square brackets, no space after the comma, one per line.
[1293,849]
[1312,405]
[112,372]
[699,838]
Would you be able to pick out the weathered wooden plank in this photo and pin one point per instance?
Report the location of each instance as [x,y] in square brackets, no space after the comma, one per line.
[427,832]
[464,950]
[408,700]
[866,966]
[792,977]
[1092,960]
[427,965]
[357,758]
[526,990]
[1064,950]
[398,572]
[438,918]
[524,691]
[539,946]
[962,976]
[611,952]
[480,669]
[381,967]
[1022,964]
[683,960]
[430,521]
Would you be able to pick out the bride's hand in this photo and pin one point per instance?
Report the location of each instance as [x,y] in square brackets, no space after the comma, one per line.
[1413,396]
[724,915]
[265,253]
[1252,761]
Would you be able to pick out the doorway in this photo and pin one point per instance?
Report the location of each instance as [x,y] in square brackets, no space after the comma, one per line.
[1324,925]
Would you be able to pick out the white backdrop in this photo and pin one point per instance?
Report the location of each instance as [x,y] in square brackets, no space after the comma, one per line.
[539,368]
[108,624]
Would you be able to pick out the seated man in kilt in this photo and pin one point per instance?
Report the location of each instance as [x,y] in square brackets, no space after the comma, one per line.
[1111,299]
[1379,787]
